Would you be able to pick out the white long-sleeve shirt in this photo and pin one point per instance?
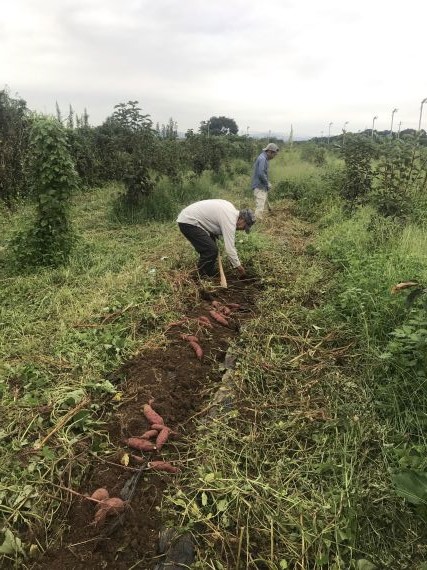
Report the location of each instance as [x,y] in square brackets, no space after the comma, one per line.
[217,217]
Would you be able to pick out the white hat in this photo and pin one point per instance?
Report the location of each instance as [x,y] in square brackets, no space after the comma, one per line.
[271,146]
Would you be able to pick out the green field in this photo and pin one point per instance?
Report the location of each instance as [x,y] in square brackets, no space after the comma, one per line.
[320,463]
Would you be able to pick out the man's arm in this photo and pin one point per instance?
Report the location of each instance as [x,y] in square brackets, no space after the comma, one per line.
[262,171]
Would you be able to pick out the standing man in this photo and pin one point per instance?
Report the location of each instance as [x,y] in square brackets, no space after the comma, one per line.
[260,183]
[203,222]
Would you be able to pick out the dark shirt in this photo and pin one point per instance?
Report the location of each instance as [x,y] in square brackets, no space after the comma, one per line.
[260,175]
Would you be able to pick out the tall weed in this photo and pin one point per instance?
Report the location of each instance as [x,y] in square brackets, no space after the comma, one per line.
[370,261]
[165,201]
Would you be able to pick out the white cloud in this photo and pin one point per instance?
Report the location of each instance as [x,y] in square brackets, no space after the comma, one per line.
[267,65]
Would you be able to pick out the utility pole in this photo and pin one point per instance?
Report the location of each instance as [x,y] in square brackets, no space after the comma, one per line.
[391,127]
[343,133]
[421,114]
[373,126]
[329,132]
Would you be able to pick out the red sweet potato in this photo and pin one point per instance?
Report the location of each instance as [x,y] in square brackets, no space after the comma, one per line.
[204,321]
[233,305]
[100,494]
[189,337]
[152,416]
[157,427]
[163,466]
[221,308]
[177,323]
[197,349]
[140,444]
[137,458]
[109,507]
[219,318]
[162,438]
[149,434]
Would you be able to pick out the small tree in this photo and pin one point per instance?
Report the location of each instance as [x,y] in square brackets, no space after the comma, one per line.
[219,126]
[169,131]
[53,178]
[129,117]
[400,174]
[358,153]
[13,147]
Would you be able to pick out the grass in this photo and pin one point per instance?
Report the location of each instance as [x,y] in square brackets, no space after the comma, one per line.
[298,474]
[63,331]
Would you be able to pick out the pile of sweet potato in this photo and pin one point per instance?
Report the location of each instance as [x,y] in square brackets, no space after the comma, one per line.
[219,313]
[106,506]
[152,440]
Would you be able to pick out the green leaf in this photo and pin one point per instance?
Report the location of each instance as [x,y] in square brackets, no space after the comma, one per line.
[222,505]
[11,544]
[363,564]
[412,486]
[47,453]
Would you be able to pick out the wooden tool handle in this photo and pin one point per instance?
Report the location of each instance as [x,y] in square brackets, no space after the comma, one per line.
[221,273]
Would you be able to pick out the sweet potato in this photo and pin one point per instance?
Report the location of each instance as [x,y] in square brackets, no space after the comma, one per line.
[149,434]
[162,438]
[233,305]
[152,416]
[221,308]
[204,321]
[163,466]
[137,458]
[109,507]
[100,494]
[219,318]
[157,427]
[140,444]
[189,337]
[177,323]
[197,349]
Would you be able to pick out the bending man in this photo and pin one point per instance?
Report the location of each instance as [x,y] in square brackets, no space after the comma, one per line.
[203,222]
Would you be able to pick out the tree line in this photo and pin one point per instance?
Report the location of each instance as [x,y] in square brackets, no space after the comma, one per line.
[45,159]
[126,148]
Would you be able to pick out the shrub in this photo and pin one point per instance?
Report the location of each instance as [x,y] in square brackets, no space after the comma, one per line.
[53,179]
[239,166]
[164,201]
[399,174]
[312,194]
[370,266]
[358,153]
[313,153]
[402,389]
[13,147]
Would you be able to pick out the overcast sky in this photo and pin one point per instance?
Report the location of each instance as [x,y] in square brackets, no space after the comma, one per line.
[265,64]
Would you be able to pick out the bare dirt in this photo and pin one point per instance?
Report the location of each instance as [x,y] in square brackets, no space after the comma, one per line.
[181,385]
